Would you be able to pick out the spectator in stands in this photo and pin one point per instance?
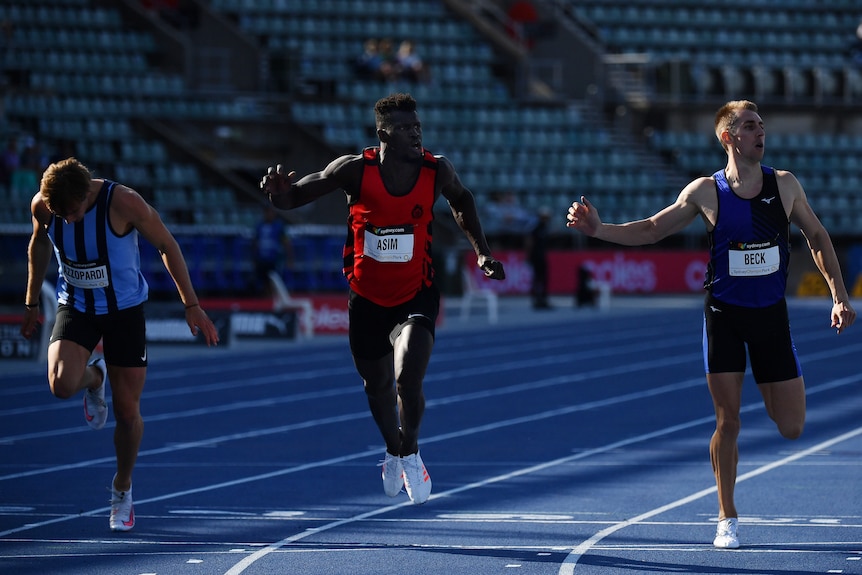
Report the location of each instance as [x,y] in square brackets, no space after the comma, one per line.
[25,178]
[506,215]
[388,63]
[586,291]
[747,209]
[367,64]
[11,161]
[525,25]
[537,256]
[93,225]
[377,61]
[410,66]
[393,301]
[272,248]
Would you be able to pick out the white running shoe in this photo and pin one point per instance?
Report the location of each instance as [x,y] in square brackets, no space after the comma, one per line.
[122,510]
[725,534]
[417,482]
[95,408]
[393,475]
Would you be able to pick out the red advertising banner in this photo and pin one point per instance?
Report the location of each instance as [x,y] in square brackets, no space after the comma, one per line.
[330,313]
[626,271]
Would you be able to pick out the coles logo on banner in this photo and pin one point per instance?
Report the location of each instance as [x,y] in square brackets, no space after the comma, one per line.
[626,271]
[331,316]
[330,313]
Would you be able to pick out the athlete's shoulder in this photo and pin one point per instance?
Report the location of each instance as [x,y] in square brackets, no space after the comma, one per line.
[348,161]
[346,169]
[124,196]
[699,186]
[444,165]
[783,174]
[40,210]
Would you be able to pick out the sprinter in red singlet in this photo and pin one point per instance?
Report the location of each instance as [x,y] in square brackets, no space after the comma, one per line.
[393,301]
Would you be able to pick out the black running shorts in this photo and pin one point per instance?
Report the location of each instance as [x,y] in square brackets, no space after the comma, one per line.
[728,329]
[123,333]
[373,328]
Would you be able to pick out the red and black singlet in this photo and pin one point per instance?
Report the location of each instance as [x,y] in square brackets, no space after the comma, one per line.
[387,256]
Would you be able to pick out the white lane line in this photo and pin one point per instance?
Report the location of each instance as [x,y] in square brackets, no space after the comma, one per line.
[251,559]
[465,432]
[495,392]
[529,362]
[483,369]
[568,566]
[469,431]
[376,451]
[334,370]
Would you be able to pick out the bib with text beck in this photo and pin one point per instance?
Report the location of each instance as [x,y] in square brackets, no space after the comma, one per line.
[390,244]
[90,275]
[753,259]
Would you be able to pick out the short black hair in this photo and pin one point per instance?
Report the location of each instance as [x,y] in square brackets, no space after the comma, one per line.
[400,102]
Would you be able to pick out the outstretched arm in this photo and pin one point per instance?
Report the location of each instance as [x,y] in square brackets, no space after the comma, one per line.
[278,184]
[584,217]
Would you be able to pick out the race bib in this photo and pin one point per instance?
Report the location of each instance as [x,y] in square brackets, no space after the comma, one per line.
[391,244]
[753,259]
[86,275]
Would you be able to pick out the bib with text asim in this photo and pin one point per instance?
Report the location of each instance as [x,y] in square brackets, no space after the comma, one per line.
[387,256]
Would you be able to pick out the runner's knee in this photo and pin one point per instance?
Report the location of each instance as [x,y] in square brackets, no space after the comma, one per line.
[792,430]
[728,427]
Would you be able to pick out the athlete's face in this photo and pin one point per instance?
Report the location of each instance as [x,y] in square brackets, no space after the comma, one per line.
[402,135]
[74,213]
[747,135]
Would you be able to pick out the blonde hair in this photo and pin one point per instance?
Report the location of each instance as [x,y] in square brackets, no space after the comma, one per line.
[727,115]
[65,184]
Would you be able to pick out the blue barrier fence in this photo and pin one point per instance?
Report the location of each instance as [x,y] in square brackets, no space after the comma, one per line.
[219,264]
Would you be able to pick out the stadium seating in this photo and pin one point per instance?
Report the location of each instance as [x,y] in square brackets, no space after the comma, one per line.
[79,73]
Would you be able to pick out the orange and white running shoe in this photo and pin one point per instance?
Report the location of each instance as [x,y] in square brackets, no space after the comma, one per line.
[417,482]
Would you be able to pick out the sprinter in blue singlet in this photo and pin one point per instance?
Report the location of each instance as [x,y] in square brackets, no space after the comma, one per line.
[747,209]
[93,225]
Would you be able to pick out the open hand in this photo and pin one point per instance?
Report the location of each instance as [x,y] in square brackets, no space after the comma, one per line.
[276,183]
[584,217]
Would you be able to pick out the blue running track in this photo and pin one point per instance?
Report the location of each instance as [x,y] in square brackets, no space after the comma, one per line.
[560,442]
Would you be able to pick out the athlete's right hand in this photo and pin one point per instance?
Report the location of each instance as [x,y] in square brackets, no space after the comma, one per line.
[276,183]
[584,217]
[32,318]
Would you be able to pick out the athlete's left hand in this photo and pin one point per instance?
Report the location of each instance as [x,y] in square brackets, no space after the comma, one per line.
[199,322]
[492,268]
